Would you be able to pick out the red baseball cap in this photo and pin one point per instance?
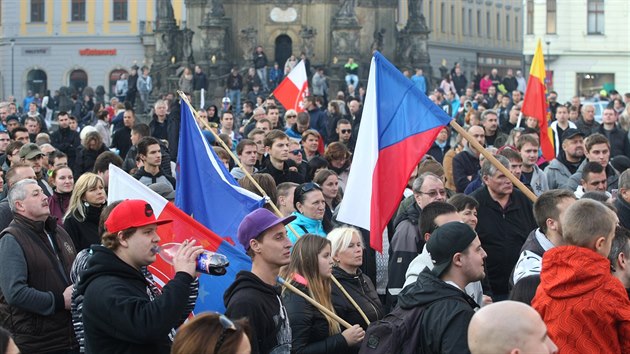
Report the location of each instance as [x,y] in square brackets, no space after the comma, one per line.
[132,213]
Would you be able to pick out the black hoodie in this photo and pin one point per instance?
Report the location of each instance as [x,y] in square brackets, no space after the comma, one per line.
[260,303]
[444,322]
[119,315]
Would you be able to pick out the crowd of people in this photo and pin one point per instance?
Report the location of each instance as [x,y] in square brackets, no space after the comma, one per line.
[471,262]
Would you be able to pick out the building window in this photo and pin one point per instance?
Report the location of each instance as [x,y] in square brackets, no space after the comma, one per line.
[470,19]
[37,10]
[120,10]
[443,18]
[488,27]
[78,10]
[37,81]
[507,27]
[530,16]
[498,26]
[551,16]
[78,80]
[595,17]
[452,19]
[478,23]
[589,84]
[114,75]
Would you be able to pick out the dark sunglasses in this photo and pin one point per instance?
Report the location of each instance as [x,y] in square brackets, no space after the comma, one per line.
[228,325]
[296,152]
[346,131]
[291,116]
[307,187]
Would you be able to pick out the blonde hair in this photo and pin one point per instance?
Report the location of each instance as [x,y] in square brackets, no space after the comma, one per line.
[585,221]
[341,237]
[76,208]
[304,262]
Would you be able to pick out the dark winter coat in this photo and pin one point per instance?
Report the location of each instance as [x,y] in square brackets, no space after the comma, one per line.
[362,291]
[119,315]
[445,321]
[86,159]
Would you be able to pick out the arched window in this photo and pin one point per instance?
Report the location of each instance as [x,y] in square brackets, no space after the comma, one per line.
[37,81]
[114,75]
[284,49]
[78,80]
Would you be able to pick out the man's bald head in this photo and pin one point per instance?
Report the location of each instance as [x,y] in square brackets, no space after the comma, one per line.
[508,327]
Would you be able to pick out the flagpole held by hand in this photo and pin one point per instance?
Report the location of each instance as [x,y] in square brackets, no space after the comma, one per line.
[354,303]
[320,307]
[493,160]
[260,189]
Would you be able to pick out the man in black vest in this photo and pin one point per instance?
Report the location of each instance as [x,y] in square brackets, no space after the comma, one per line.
[37,255]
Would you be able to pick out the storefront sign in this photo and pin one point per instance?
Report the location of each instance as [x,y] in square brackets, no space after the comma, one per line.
[36,51]
[97,52]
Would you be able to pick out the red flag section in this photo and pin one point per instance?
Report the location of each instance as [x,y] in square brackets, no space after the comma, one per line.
[535,101]
[293,89]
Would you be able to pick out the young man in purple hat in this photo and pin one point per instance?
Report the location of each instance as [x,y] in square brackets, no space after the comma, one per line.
[256,294]
[120,313]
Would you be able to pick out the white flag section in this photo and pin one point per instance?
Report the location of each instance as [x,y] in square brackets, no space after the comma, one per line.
[123,186]
[292,90]
[357,199]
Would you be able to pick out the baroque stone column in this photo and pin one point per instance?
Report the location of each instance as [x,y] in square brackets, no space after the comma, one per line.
[412,41]
[346,39]
[215,37]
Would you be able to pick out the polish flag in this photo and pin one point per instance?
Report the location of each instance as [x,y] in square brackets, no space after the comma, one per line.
[293,88]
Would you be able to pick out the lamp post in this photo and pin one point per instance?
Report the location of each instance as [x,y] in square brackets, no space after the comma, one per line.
[13,67]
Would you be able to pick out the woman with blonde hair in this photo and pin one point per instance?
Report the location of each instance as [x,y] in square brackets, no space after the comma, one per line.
[212,333]
[310,270]
[347,254]
[86,203]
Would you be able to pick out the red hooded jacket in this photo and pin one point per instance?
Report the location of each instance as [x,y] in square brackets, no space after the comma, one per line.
[586,309]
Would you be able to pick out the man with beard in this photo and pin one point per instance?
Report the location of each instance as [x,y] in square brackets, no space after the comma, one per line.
[567,162]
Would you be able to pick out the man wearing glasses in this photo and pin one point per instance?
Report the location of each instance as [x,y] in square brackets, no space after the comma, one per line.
[344,131]
[408,241]
[505,220]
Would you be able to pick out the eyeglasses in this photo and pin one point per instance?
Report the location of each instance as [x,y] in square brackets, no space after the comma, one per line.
[307,187]
[296,152]
[433,194]
[346,131]
[291,116]
[228,325]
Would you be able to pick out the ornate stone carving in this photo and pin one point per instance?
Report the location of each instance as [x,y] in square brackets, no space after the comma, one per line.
[247,40]
[345,42]
[308,34]
[377,44]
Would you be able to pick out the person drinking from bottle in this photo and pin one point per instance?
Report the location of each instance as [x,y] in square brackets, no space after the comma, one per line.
[120,313]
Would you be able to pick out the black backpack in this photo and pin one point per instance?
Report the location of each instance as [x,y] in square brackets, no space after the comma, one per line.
[398,332]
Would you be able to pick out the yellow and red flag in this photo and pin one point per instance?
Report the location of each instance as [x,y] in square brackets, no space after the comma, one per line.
[535,102]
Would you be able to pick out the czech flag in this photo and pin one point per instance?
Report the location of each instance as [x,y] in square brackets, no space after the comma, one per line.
[535,101]
[292,90]
[205,188]
[123,186]
[398,126]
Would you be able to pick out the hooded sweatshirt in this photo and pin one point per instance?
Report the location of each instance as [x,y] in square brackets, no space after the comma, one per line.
[444,323]
[120,315]
[586,309]
[260,303]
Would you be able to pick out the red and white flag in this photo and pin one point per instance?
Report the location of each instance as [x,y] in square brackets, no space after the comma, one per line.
[293,88]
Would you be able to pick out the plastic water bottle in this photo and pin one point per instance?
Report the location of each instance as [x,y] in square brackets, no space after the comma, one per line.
[207,262]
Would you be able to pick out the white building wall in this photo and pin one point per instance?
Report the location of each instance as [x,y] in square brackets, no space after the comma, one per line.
[572,50]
